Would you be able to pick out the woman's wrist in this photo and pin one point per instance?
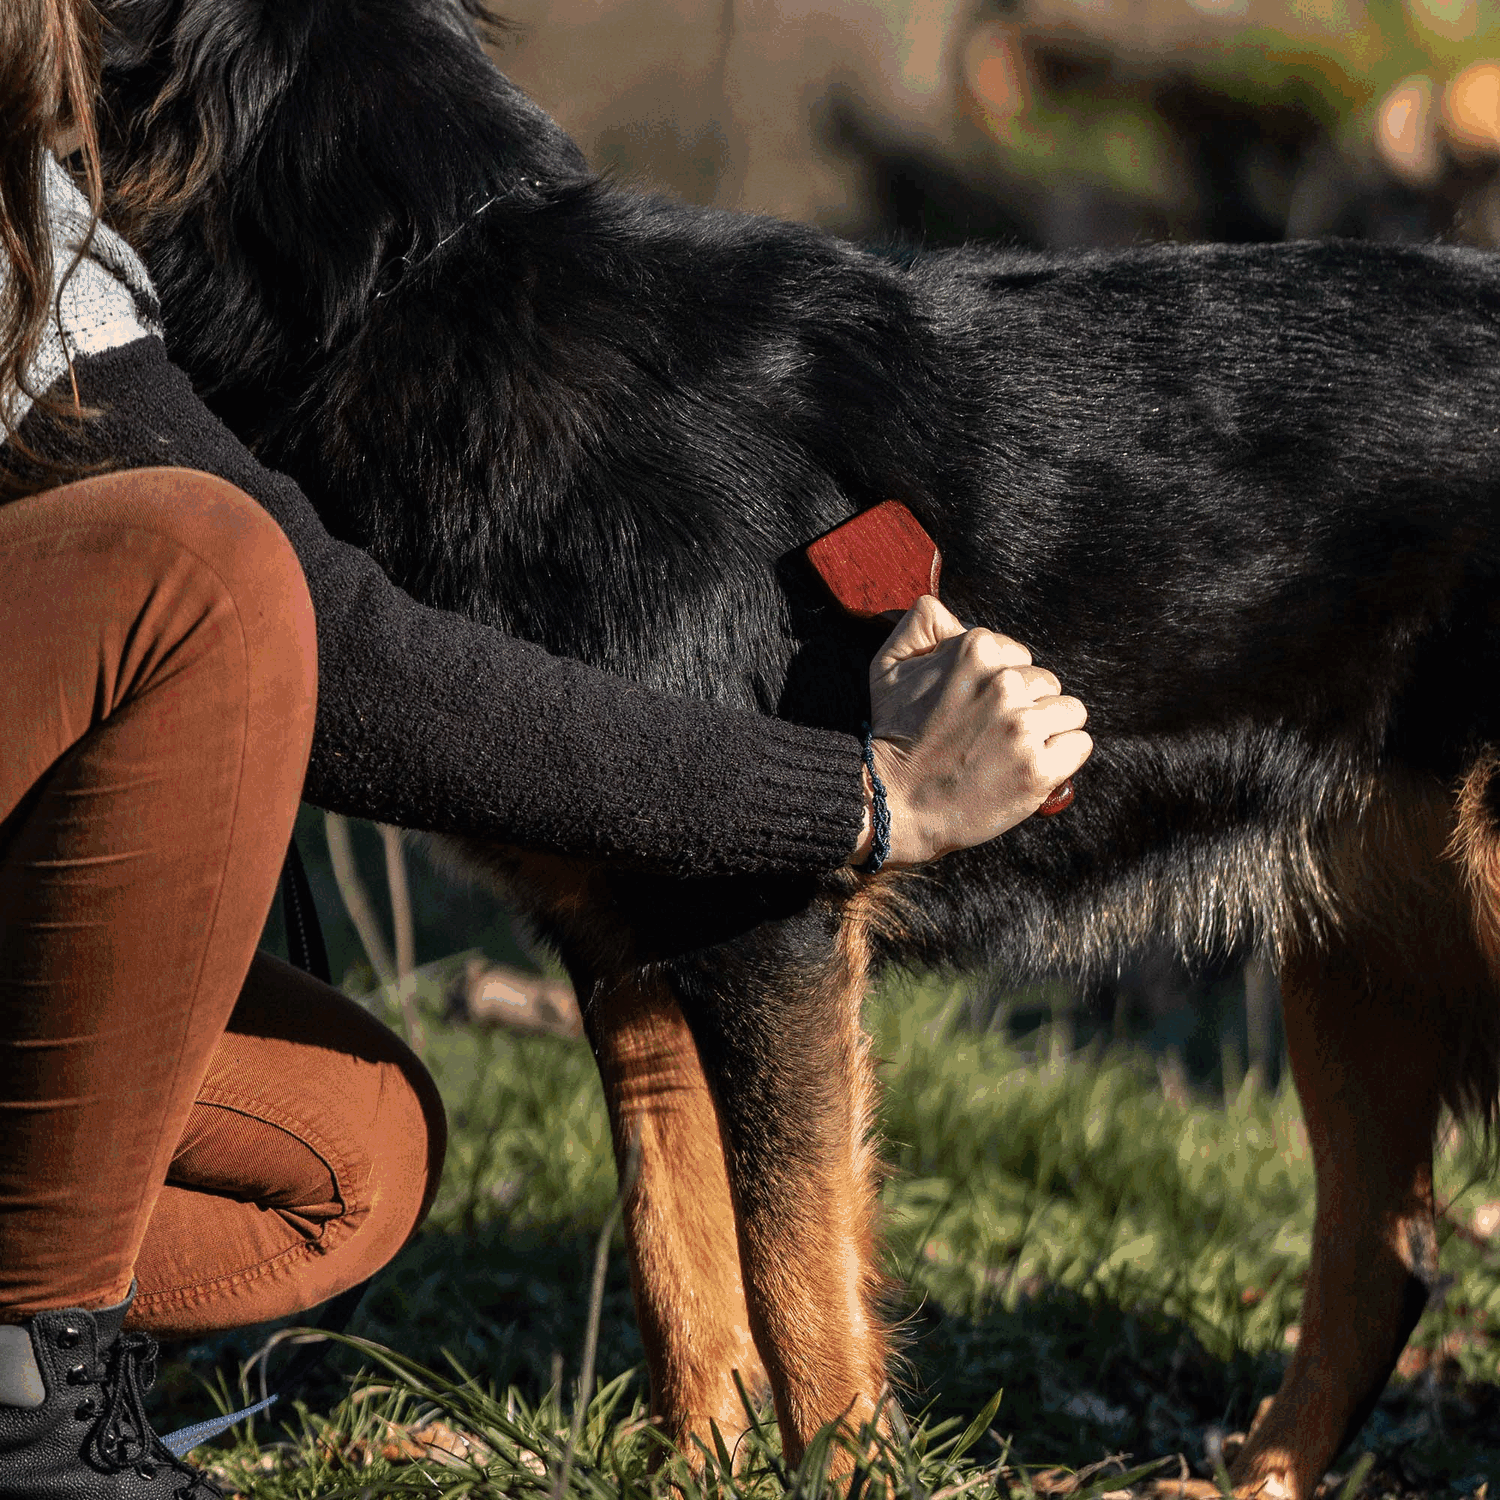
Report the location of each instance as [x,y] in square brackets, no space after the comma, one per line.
[866,841]
[873,849]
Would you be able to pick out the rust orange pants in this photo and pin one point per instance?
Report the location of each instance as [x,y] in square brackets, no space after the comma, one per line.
[239,1139]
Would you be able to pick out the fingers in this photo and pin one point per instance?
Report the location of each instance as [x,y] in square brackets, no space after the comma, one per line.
[1050,743]
[1038,768]
[984,650]
[920,629]
[1018,686]
[929,623]
[1046,735]
[1055,714]
[1062,755]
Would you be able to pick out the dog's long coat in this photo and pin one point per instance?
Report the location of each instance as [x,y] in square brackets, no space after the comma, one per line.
[1242,501]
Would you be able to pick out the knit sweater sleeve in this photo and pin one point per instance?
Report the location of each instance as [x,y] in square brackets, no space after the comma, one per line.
[428,720]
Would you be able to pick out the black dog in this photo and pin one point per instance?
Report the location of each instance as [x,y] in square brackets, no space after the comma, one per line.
[1243,501]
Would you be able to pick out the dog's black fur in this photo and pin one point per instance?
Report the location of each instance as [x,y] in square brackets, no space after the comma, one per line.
[1241,500]
[1244,501]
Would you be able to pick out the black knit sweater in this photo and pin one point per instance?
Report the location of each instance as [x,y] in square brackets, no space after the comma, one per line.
[427,720]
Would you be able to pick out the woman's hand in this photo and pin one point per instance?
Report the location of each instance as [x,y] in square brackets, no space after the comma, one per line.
[969,737]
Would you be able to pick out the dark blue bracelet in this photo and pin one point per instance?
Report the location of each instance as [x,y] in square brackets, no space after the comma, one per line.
[880,814]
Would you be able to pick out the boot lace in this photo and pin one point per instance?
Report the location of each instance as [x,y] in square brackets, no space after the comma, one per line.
[122,1438]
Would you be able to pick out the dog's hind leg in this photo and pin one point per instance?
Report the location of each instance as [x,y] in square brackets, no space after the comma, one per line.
[777,1018]
[1379,1022]
[679,1221]
[1367,1064]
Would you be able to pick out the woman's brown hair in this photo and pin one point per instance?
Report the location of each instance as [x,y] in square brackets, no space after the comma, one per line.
[49,65]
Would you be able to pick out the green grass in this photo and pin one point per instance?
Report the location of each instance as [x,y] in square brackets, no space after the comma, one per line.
[1119,1269]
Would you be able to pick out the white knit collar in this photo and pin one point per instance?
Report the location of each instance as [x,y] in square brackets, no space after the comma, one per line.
[106,301]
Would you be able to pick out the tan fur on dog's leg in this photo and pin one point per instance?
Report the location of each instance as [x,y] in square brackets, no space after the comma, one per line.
[679,1221]
[1367,1051]
[811,1276]
[797,1122]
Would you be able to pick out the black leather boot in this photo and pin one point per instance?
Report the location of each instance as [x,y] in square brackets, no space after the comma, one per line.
[72,1413]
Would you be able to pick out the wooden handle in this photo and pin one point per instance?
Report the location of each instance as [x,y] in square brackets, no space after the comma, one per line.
[1059,799]
[882,560]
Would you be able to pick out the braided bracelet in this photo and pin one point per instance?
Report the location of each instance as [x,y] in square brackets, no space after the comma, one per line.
[880,814]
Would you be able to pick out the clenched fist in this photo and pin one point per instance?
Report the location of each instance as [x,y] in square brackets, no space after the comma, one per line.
[969,736]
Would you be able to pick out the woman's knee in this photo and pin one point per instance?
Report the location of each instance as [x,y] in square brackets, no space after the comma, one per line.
[404,1141]
[207,538]
[368,1177]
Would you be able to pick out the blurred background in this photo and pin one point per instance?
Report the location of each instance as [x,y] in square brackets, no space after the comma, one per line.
[1040,122]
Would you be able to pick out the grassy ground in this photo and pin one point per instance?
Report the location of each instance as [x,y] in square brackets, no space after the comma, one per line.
[1119,1263]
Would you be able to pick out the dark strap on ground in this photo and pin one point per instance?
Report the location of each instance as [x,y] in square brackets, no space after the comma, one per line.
[304,935]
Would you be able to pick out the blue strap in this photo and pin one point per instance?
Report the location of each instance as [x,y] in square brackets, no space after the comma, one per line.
[880,813]
[187,1438]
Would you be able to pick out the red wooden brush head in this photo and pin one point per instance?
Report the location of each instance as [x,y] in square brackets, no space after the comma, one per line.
[882,560]
[877,561]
